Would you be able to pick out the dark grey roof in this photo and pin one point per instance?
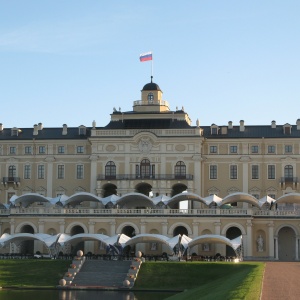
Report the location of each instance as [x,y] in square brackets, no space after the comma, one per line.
[44,134]
[147,124]
[151,87]
[252,131]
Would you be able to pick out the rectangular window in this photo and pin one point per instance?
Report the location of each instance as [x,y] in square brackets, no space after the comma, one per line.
[254,149]
[272,196]
[271,171]
[256,196]
[288,148]
[12,150]
[213,149]
[80,149]
[27,172]
[271,149]
[233,149]
[28,150]
[60,171]
[233,172]
[213,172]
[41,172]
[42,149]
[61,149]
[255,172]
[79,172]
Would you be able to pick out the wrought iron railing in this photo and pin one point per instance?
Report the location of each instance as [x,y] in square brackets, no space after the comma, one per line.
[139,177]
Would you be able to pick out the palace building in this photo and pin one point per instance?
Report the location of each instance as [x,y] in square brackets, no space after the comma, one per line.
[151,171]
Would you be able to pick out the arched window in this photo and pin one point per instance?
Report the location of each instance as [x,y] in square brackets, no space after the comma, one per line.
[12,171]
[180,170]
[150,97]
[145,168]
[110,170]
[288,171]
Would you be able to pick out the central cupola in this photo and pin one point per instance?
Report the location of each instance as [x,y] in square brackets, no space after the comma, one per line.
[151,99]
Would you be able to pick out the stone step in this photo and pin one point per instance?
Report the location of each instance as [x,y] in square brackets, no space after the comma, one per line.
[102,273]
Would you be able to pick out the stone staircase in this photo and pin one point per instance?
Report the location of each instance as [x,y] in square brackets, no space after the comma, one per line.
[102,273]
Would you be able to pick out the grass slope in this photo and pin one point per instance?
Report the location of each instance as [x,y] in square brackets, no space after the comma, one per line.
[32,272]
[204,280]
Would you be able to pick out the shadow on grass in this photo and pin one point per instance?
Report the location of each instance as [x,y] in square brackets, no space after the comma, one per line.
[204,280]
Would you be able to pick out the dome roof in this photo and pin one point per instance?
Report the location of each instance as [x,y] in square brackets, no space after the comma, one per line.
[151,86]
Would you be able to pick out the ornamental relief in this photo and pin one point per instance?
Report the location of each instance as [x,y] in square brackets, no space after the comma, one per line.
[145,145]
[180,148]
[110,148]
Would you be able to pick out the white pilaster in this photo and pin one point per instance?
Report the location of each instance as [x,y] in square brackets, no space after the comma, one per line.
[93,178]
[271,240]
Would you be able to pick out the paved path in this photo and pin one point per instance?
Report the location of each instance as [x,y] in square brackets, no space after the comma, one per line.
[281,281]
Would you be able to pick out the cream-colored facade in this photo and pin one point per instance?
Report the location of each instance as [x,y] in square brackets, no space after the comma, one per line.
[155,151]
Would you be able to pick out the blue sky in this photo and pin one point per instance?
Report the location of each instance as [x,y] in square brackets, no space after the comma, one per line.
[70,62]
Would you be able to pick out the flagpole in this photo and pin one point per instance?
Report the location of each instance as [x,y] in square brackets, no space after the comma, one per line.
[152,65]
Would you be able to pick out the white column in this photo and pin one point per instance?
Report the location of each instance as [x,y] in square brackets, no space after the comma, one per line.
[164,228]
[38,246]
[249,240]
[297,247]
[195,229]
[89,246]
[143,230]
[62,227]
[93,178]
[12,226]
[276,247]
[197,175]
[271,240]
[112,228]
[164,231]
[219,247]
[245,171]
[50,161]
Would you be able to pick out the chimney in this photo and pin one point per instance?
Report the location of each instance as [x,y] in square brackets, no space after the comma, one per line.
[40,126]
[298,124]
[242,127]
[65,129]
[1,127]
[35,129]
[230,125]
[273,124]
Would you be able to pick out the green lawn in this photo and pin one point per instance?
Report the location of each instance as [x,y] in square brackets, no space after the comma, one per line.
[199,280]
[204,280]
[32,272]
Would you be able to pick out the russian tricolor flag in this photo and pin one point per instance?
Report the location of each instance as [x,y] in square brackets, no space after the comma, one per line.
[146,56]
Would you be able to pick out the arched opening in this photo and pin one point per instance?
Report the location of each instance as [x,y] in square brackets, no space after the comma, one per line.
[286,244]
[180,230]
[144,188]
[27,247]
[51,231]
[129,231]
[80,245]
[177,189]
[232,233]
[109,189]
